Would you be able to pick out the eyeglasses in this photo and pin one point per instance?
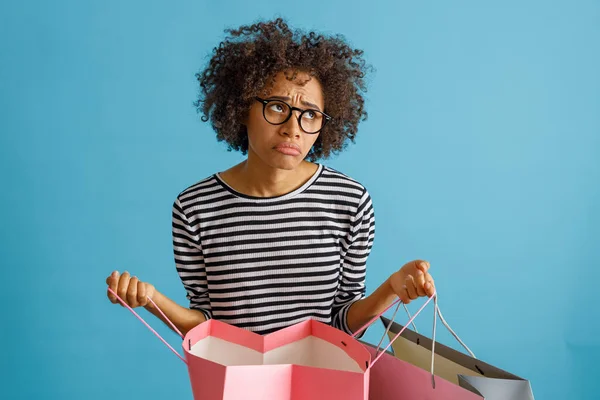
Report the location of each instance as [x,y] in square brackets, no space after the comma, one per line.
[277,112]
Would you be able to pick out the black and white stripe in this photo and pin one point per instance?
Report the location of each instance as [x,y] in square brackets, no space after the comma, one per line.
[267,263]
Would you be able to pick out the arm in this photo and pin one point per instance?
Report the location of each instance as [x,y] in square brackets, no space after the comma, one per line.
[189,260]
[183,318]
[408,283]
[359,242]
[135,293]
[364,310]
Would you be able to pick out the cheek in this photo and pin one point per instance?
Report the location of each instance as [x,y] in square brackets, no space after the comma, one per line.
[256,125]
[260,133]
[313,140]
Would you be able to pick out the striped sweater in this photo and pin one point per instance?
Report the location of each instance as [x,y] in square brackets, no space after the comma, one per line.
[266,263]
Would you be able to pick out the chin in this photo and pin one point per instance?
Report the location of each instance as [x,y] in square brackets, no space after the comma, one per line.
[286,162]
[289,165]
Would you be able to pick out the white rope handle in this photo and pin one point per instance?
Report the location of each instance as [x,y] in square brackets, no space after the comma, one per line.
[439,313]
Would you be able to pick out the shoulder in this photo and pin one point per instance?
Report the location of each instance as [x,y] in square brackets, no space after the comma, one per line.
[333,176]
[362,202]
[197,191]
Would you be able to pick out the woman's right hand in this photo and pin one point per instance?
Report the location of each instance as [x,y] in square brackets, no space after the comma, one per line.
[133,291]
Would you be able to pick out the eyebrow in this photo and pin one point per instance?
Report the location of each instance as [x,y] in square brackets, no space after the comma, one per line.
[306,103]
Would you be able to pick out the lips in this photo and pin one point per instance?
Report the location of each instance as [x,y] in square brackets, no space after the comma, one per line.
[288,148]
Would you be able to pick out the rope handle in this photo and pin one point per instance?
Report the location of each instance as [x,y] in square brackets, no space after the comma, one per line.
[437,313]
[398,301]
[149,327]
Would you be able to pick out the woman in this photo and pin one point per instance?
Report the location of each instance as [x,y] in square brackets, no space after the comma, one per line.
[278,238]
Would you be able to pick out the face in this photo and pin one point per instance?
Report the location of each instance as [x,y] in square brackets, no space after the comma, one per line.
[284,146]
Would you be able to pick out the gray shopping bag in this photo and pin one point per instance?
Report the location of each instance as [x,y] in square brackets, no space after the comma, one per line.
[465,370]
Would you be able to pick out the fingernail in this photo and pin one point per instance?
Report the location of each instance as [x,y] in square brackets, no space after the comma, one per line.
[115,273]
[419,272]
[427,286]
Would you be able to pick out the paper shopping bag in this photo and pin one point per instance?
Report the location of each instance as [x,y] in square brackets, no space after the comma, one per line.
[395,379]
[306,361]
[461,369]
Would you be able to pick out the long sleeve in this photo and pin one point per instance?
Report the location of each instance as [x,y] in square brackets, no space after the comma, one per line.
[352,286]
[189,260]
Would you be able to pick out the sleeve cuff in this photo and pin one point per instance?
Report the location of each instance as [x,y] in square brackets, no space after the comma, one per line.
[343,320]
[207,314]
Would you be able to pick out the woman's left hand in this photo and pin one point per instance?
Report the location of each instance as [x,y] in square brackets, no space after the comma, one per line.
[412,281]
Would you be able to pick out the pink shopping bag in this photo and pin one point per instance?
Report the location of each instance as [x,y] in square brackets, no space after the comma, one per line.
[394,379]
[306,361]
[309,360]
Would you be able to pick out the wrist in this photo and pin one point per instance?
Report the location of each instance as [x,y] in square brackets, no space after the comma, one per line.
[156,298]
[390,292]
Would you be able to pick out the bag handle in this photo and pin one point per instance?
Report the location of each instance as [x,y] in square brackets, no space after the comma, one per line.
[378,356]
[439,313]
[435,300]
[397,301]
[149,327]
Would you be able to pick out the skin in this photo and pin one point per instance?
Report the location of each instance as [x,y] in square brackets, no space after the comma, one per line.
[266,173]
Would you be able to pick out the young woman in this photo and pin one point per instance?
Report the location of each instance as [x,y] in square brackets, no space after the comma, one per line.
[278,238]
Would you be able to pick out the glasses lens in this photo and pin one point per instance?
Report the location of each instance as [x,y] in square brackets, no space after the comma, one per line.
[276,112]
[311,121]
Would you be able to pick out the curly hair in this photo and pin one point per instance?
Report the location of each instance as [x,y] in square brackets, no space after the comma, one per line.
[245,64]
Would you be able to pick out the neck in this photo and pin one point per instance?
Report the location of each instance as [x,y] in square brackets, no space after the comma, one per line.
[261,180]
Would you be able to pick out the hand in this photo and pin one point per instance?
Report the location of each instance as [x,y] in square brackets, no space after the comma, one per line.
[412,281]
[133,291]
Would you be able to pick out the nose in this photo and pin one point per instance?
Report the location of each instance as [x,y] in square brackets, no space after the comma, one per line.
[292,126]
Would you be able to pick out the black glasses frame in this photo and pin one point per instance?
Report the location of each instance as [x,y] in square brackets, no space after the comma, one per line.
[264,102]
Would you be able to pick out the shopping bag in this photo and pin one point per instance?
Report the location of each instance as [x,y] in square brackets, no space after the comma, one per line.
[395,379]
[306,361]
[461,369]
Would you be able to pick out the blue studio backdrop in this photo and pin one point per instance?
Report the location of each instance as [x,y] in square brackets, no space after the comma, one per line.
[481,153]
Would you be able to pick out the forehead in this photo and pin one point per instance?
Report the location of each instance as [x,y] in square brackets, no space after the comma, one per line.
[302,84]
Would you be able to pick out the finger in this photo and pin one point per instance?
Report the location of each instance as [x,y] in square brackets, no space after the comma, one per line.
[132,292]
[403,295]
[430,286]
[123,285]
[422,265]
[112,282]
[410,287]
[142,298]
[420,281]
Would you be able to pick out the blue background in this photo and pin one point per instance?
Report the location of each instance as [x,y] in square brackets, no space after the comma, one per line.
[480,151]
